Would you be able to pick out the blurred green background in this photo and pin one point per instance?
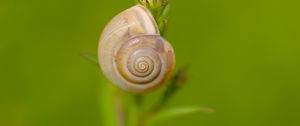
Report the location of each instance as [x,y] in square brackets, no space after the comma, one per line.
[244,59]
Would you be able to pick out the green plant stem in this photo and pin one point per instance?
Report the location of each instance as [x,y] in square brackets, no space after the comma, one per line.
[177,81]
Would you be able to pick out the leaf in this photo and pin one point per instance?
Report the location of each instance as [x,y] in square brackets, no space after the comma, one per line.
[90,58]
[176,112]
[164,13]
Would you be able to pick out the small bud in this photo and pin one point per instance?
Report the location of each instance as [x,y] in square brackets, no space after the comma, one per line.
[153,4]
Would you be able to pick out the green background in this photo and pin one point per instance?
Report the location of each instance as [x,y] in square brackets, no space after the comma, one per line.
[244,60]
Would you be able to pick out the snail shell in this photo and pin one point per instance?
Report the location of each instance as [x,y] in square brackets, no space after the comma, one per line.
[132,54]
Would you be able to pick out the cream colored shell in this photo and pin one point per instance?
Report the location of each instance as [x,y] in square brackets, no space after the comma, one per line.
[132,54]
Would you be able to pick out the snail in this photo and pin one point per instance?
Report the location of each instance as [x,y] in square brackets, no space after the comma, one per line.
[132,54]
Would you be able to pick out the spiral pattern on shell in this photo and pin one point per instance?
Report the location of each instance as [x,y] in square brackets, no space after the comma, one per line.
[144,59]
